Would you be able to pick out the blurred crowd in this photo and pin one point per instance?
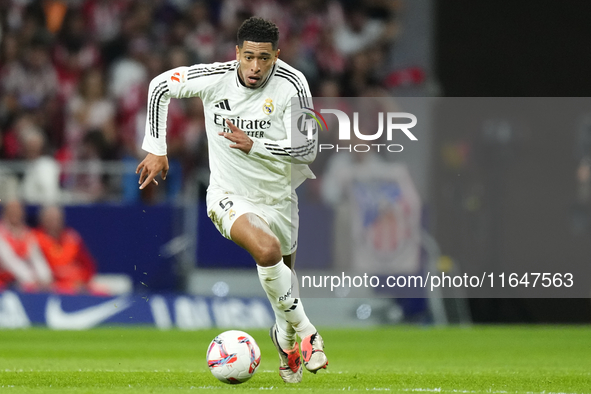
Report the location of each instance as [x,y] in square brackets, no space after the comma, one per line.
[74,77]
[49,257]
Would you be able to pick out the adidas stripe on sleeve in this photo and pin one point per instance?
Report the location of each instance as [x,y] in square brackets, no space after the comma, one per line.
[181,82]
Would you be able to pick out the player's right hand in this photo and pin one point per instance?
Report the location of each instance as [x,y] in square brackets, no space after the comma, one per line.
[151,166]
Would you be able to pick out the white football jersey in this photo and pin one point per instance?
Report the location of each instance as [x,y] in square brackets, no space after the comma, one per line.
[279,158]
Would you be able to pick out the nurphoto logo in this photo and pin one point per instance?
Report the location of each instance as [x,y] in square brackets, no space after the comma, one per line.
[394,123]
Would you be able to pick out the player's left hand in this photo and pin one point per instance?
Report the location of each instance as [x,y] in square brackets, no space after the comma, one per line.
[238,137]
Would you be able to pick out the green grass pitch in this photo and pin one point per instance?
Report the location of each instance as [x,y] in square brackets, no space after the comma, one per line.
[535,359]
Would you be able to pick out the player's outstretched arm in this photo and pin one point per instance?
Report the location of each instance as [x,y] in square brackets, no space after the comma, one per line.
[151,166]
[179,82]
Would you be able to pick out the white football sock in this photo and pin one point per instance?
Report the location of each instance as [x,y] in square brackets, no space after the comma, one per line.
[286,335]
[277,283]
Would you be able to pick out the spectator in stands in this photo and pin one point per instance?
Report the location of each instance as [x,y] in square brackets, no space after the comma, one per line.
[329,88]
[21,261]
[41,180]
[128,83]
[73,53]
[28,19]
[91,109]
[90,185]
[201,40]
[129,67]
[32,82]
[10,54]
[69,259]
[331,63]
[104,18]
[360,31]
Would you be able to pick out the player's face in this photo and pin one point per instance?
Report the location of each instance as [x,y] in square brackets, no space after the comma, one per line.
[256,62]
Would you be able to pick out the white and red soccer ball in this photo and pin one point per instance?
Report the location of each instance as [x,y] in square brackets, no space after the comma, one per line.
[233,357]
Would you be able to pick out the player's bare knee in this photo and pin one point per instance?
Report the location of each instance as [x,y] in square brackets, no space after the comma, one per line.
[268,252]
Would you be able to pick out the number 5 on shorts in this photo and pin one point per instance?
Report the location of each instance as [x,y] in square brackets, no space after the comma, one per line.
[227,205]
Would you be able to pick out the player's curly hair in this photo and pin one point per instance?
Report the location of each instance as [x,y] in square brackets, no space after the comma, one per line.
[258,30]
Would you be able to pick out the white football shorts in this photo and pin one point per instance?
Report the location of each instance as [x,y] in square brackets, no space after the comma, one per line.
[224,208]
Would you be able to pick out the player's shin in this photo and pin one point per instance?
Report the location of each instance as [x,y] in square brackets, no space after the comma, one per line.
[286,335]
[277,283]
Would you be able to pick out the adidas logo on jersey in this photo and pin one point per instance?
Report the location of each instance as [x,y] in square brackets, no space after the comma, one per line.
[223,105]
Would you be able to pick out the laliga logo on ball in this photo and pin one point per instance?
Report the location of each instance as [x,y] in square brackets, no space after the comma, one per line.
[233,357]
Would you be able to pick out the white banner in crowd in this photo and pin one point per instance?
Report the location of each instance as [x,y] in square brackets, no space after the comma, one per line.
[385,212]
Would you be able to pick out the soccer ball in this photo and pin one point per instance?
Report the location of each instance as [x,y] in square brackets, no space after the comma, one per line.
[233,357]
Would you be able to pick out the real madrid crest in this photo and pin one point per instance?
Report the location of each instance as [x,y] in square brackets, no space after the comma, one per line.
[268,107]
